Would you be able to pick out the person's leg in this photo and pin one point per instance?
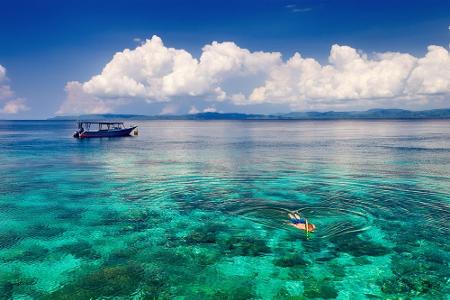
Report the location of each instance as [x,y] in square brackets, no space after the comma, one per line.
[293,218]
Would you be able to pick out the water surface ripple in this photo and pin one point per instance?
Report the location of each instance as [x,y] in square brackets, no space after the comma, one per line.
[198,210]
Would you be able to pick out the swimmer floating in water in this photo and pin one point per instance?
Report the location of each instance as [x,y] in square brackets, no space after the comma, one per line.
[301,223]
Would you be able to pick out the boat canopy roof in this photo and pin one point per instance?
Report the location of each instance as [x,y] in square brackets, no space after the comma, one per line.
[99,123]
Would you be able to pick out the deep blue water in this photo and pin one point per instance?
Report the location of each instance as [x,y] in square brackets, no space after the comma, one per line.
[198,209]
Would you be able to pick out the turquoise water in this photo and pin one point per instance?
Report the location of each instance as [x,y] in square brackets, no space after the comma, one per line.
[198,210]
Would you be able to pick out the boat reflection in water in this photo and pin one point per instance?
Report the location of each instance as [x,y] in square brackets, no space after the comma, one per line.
[88,129]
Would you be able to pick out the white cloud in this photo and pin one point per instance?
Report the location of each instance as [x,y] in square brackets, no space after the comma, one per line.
[210,109]
[170,109]
[302,9]
[431,74]
[220,94]
[295,9]
[351,75]
[155,73]
[9,103]
[79,102]
[5,91]
[193,110]
[238,99]
[14,106]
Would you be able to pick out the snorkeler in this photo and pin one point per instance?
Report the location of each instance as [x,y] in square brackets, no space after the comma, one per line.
[301,223]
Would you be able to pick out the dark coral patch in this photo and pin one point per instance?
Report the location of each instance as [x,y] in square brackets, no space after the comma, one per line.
[201,236]
[356,246]
[43,231]
[244,246]
[70,214]
[8,239]
[155,285]
[35,253]
[320,289]
[9,286]
[291,260]
[80,249]
[131,221]
[122,256]
[207,234]
[416,274]
[412,285]
[109,281]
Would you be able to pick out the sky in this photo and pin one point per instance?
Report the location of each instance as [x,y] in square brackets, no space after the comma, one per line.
[177,57]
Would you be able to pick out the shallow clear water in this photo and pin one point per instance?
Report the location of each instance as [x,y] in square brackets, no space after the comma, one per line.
[199,209]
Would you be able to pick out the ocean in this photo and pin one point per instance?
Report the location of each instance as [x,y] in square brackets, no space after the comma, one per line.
[198,210]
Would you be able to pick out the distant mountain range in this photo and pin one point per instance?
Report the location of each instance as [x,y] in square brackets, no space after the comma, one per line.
[330,115]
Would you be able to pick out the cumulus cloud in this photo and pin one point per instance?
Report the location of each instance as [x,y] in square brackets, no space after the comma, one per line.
[210,109]
[79,102]
[431,74]
[15,106]
[170,109]
[349,75]
[9,103]
[155,73]
[193,110]
[352,75]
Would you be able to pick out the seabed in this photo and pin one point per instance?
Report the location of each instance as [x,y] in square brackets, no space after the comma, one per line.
[175,214]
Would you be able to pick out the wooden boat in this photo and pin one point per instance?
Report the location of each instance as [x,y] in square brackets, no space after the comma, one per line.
[102,129]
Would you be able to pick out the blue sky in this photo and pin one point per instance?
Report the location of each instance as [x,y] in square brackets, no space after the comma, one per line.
[46,44]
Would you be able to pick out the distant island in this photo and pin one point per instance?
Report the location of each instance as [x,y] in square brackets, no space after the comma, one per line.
[372,114]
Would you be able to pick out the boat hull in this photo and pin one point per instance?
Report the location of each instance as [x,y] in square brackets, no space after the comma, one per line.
[107,133]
